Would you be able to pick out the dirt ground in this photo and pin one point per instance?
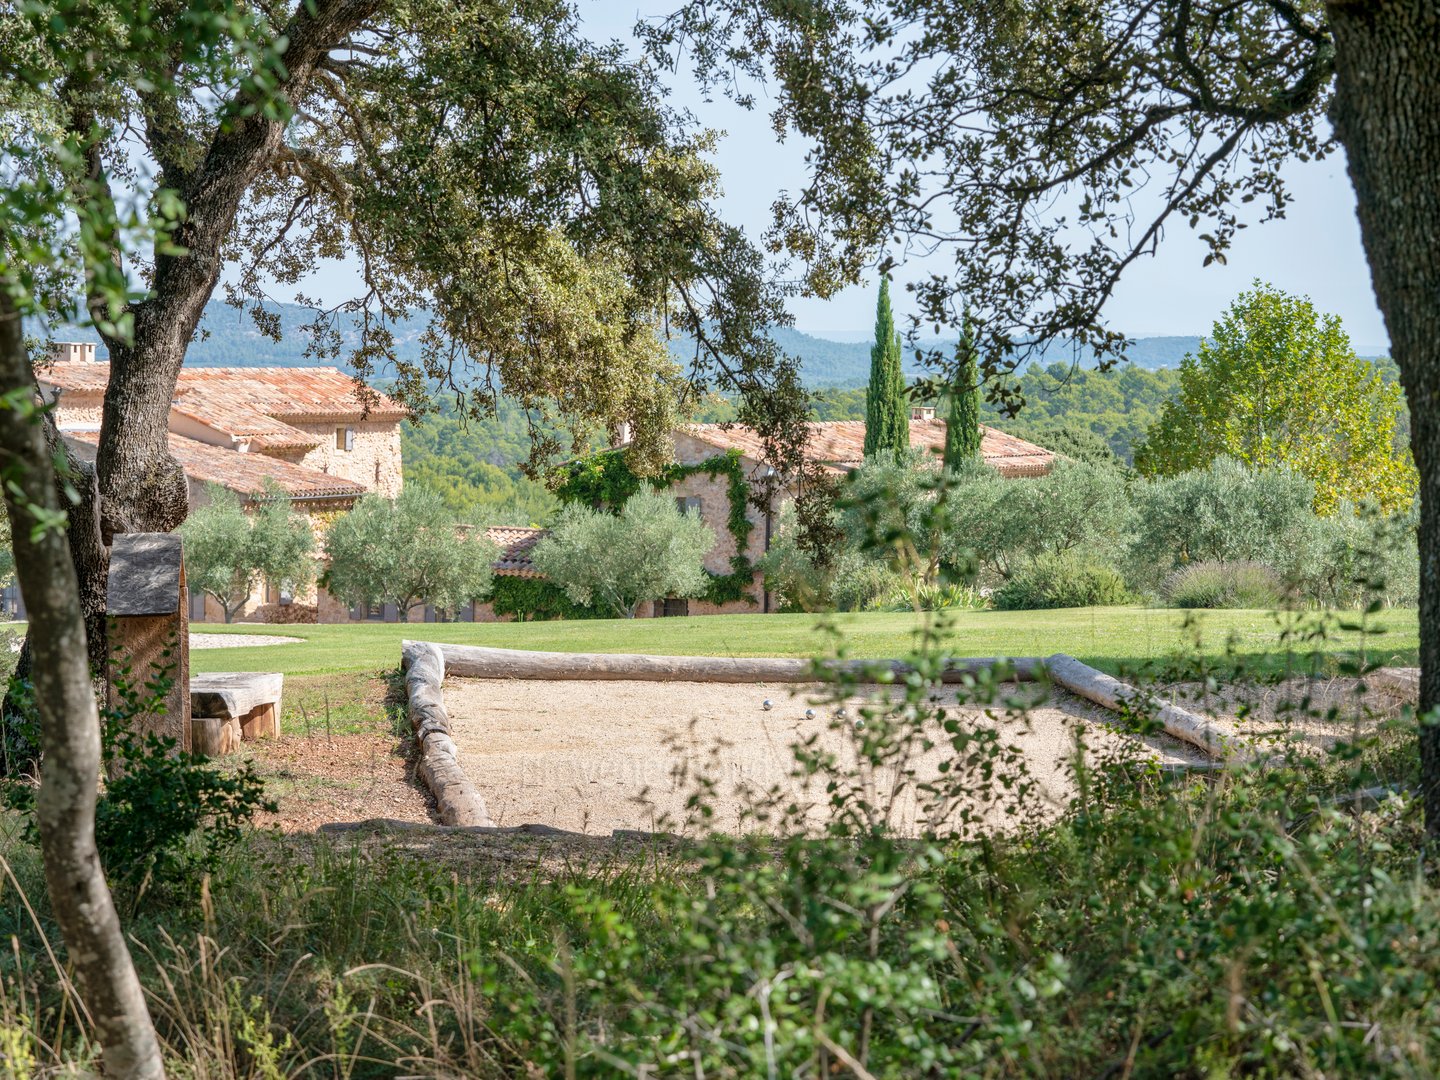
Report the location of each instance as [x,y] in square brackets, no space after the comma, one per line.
[1309,715]
[316,780]
[597,756]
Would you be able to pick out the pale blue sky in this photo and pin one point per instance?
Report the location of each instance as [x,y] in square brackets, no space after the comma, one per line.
[1315,251]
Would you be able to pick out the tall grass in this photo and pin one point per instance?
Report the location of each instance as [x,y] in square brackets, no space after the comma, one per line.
[1257,921]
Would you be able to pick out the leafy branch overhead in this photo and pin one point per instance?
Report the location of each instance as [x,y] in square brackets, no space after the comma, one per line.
[1038,149]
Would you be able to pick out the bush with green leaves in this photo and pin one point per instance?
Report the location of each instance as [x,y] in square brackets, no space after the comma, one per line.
[1358,556]
[1062,581]
[407,551]
[615,561]
[230,550]
[1226,512]
[164,818]
[1224,585]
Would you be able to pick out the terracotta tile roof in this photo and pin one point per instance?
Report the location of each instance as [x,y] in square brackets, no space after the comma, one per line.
[841,445]
[245,474]
[515,543]
[251,403]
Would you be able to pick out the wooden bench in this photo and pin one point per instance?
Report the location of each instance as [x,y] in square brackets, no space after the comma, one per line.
[227,707]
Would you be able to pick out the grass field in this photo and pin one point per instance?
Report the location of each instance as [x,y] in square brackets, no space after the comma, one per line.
[1109,638]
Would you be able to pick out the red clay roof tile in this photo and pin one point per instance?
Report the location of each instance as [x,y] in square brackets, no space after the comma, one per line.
[246,474]
[841,444]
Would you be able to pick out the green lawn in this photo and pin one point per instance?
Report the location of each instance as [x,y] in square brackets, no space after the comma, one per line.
[1109,638]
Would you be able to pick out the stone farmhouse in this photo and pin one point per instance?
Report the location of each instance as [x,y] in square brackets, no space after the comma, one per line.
[303,429]
[837,446]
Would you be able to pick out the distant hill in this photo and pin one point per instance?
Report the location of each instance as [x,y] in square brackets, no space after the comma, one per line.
[229,339]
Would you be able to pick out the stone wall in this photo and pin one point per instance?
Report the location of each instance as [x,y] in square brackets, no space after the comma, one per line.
[374,461]
[79,410]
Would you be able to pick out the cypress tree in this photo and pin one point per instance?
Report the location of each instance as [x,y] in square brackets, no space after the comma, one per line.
[887,415]
[962,417]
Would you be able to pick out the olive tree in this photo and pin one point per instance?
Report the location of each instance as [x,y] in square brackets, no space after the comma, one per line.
[228,552]
[407,551]
[614,562]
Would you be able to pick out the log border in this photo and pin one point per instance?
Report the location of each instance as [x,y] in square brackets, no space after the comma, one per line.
[475,661]
[457,800]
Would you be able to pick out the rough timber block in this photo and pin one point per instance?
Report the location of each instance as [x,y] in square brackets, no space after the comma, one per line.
[250,698]
[213,736]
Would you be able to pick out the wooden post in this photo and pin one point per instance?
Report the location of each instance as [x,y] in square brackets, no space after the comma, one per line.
[148,609]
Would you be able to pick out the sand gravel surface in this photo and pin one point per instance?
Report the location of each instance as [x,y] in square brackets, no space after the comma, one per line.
[597,756]
[237,641]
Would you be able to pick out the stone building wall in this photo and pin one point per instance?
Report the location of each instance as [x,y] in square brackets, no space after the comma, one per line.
[374,461]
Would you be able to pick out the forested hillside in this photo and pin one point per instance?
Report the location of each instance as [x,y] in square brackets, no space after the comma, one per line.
[229,338]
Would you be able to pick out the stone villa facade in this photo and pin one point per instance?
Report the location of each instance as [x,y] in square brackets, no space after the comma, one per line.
[307,430]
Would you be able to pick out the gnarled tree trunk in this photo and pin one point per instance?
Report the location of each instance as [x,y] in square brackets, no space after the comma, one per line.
[69,728]
[1387,114]
[138,486]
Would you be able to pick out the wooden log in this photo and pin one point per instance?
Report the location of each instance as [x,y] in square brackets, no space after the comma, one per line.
[214,736]
[1086,682]
[457,800]
[476,662]
[1400,682]
[260,723]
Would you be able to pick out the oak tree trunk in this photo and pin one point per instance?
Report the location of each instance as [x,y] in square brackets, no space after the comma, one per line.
[1386,112]
[69,726]
[138,486]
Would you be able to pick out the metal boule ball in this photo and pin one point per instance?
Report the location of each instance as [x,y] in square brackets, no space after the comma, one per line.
[860,725]
[768,705]
[809,714]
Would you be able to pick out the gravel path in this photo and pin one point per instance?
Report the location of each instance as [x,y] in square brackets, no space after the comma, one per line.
[597,756]
[237,641]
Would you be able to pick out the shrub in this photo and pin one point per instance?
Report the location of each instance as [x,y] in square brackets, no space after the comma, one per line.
[927,597]
[1062,581]
[1224,585]
[164,818]
[1225,513]
[1357,556]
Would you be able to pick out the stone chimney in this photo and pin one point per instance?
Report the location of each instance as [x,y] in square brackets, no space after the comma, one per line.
[623,433]
[72,352]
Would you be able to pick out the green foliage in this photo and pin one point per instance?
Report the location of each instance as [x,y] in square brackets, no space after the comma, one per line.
[1076,443]
[606,479]
[1224,513]
[406,551]
[962,410]
[1359,556]
[7,554]
[647,550]
[229,551]
[1062,581]
[932,597]
[473,464]
[887,410]
[164,819]
[1277,384]
[1117,406]
[1224,585]
[534,600]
